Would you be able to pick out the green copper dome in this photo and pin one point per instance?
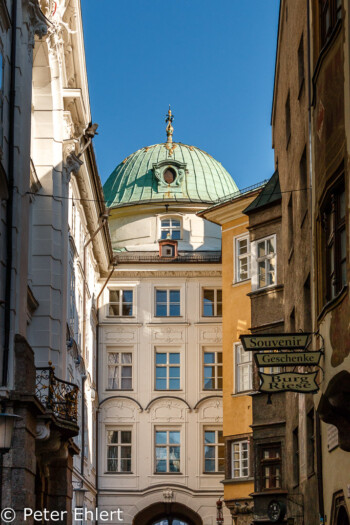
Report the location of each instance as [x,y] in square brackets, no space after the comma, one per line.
[166,173]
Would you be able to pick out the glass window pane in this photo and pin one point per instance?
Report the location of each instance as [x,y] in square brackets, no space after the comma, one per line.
[161,358]
[174,437]
[174,465]
[161,437]
[126,372]
[161,465]
[243,246]
[165,223]
[174,452]
[161,310]
[219,296]
[174,371]
[261,272]
[112,436]
[209,384]
[174,358]
[161,452]
[270,246]
[127,310]
[208,309]
[175,223]
[113,358]
[174,384]
[209,357]
[209,436]
[174,296]
[113,309]
[127,296]
[126,357]
[174,310]
[176,235]
[125,436]
[209,465]
[161,384]
[161,296]
[342,205]
[161,372]
[261,249]
[113,296]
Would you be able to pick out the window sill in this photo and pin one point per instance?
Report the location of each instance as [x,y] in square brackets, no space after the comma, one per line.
[167,474]
[118,473]
[213,473]
[328,307]
[266,290]
[121,316]
[168,390]
[119,390]
[234,481]
[243,281]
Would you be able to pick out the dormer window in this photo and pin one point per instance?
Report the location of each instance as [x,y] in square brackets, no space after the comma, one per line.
[167,249]
[170,229]
[169,175]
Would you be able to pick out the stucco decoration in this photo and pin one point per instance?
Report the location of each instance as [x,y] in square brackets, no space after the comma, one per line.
[119,410]
[167,410]
[211,334]
[121,335]
[168,335]
[340,332]
[38,23]
[211,410]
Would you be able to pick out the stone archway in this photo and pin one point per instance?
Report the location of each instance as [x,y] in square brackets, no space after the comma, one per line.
[174,512]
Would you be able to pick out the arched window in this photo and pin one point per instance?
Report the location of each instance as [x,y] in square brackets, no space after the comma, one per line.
[170,228]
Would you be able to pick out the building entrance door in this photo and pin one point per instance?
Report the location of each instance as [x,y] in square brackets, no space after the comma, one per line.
[342,518]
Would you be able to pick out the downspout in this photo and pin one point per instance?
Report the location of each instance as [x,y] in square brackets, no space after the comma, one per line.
[318,440]
[9,207]
[97,375]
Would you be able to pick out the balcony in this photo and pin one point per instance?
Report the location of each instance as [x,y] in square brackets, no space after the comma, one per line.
[58,396]
[182,257]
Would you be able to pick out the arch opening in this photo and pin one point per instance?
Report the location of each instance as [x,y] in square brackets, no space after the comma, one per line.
[163,513]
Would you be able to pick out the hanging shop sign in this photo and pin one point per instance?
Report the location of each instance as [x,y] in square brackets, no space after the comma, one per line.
[289,382]
[283,341]
[276,359]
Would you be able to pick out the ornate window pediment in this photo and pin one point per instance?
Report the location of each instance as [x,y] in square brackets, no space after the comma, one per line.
[169,175]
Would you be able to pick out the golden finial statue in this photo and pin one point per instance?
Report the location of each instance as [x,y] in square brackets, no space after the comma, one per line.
[169,129]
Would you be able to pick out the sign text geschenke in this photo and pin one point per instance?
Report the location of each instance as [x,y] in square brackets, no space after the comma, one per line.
[272,359]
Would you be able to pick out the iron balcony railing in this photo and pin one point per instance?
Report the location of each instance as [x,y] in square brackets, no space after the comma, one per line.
[185,258]
[61,397]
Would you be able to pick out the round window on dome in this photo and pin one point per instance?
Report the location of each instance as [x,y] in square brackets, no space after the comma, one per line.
[169,175]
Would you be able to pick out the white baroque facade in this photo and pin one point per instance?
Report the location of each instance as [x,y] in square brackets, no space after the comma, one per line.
[161,450]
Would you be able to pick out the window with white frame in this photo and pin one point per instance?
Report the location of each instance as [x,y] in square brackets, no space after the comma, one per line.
[212,302]
[170,228]
[240,459]
[214,451]
[167,303]
[119,450]
[264,262]
[121,303]
[242,254]
[120,370]
[243,369]
[167,451]
[212,368]
[167,369]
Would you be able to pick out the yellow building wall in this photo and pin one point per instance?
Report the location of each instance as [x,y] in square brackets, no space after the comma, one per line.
[237,408]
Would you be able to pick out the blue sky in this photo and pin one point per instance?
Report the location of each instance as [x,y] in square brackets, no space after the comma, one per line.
[213,61]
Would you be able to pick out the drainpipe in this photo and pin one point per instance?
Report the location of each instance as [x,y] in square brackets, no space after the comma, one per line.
[9,207]
[97,374]
[318,440]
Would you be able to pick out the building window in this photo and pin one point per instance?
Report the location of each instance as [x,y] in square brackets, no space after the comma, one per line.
[167,303]
[243,369]
[212,302]
[296,456]
[212,364]
[334,241]
[119,450]
[214,451]
[120,303]
[170,229]
[169,175]
[167,370]
[288,125]
[168,250]
[271,467]
[242,252]
[167,451]
[240,459]
[120,370]
[301,70]
[264,262]
[330,13]
[310,435]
